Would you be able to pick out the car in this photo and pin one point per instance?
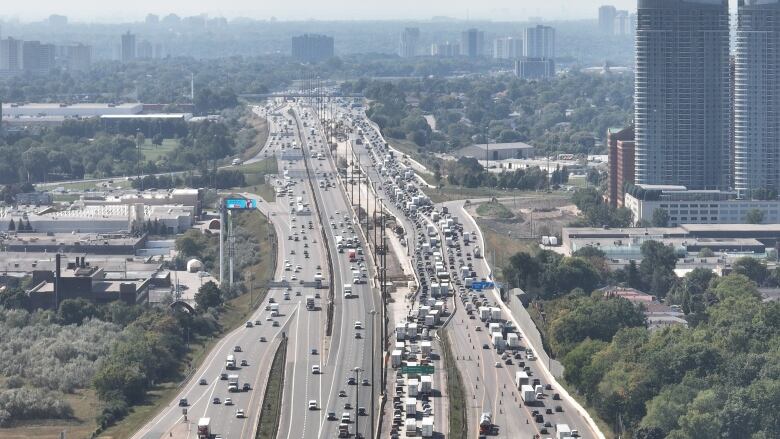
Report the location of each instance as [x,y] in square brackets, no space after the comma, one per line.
[223,376]
[485,345]
[342,393]
[358,325]
[249,324]
[202,382]
[362,411]
[258,323]
[498,364]
[315,370]
[347,406]
[357,335]
[275,324]
[216,401]
[332,416]
[240,413]
[351,381]
[262,339]
[312,405]
[244,363]
[365,382]
[549,411]
[183,402]
[246,387]
[237,348]
[313,351]
[558,408]
[228,401]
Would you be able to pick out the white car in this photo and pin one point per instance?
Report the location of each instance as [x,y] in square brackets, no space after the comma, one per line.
[358,325]
[240,413]
[315,369]
[312,405]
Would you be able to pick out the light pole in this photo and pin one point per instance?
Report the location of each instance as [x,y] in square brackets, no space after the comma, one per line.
[373,375]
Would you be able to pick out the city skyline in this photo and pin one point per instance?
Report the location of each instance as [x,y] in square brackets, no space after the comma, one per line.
[500,10]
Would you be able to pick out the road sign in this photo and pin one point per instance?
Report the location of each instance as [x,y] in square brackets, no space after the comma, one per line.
[479,286]
[420,370]
[240,203]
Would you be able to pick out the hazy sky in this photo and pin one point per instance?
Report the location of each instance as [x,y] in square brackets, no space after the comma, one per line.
[114,10]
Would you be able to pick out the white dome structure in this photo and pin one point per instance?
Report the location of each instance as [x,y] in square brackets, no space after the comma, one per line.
[194,266]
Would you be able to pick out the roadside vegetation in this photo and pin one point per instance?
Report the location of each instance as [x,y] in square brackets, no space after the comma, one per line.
[494,210]
[270,414]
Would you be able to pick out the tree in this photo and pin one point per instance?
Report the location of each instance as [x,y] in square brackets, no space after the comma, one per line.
[208,296]
[116,378]
[754,216]
[660,218]
[657,267]
[752,268]
[74,311]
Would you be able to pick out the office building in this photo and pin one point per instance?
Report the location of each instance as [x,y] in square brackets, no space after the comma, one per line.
[312,48]
[152,19]
[539,42]
[620,146]
[410,38]
[472,43]
[128,47]
[757,100]
[607,19]
[535,68]
[681,93]
[445,50]
[507,48]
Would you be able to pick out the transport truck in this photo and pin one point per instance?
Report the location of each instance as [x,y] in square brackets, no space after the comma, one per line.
[427,427]
[230,362]
[562,431]
[528,394]
[204,428]
[352,255]
[521,378]
[485,423]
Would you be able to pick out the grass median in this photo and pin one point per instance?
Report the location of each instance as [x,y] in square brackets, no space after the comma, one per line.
[458,414]
[270,414]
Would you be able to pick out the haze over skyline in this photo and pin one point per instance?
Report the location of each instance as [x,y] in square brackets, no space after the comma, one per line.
[500,10]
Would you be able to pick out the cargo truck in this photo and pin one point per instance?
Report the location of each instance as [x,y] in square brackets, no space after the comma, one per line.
[411,427]
[562,431]
[347,291]
[352,254]
[521,378]
[528,394]
[310,303]
[204,428]
[411,406]
[427,427]
[396,358]
[426,385]
[485,423]
[477,253]
[230,362]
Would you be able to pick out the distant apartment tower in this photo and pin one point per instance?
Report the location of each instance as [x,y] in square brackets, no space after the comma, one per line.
[128,47]
[507,48]
[607,19]
[410,38]
[622,23]
[539,42]
[58,20]
[620,147]
[11,55]
[681,93]
[37,57]
[445,50]
[472,43]
[312,48]
[757,98]
[77,57]
[145,50]
[535,68]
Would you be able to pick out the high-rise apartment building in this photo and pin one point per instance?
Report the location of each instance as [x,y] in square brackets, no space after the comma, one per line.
[128,47]
[681,93]
[472,43]
[757,99]
[445,50]
[535,68]
[312,47]
[11,55]
[622,23]
[37,58]
[507,48]
[410,38]
[145,50]
[620,147]
[607,19]
[77,57]
[539,42]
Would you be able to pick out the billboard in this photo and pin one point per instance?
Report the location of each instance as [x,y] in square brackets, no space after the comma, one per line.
[240,203]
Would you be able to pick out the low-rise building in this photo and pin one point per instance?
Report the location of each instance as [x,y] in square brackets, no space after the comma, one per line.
[497,151]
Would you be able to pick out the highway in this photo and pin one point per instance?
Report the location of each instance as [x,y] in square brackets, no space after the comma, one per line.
[342,352]
[258,355]
[489,380]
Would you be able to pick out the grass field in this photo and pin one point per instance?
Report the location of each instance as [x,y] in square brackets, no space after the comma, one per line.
[233,315]
[494,209]
[255,174]
[451,193]
[268,424]
[85,408]
[263,130]
[499,247]
[153,152]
